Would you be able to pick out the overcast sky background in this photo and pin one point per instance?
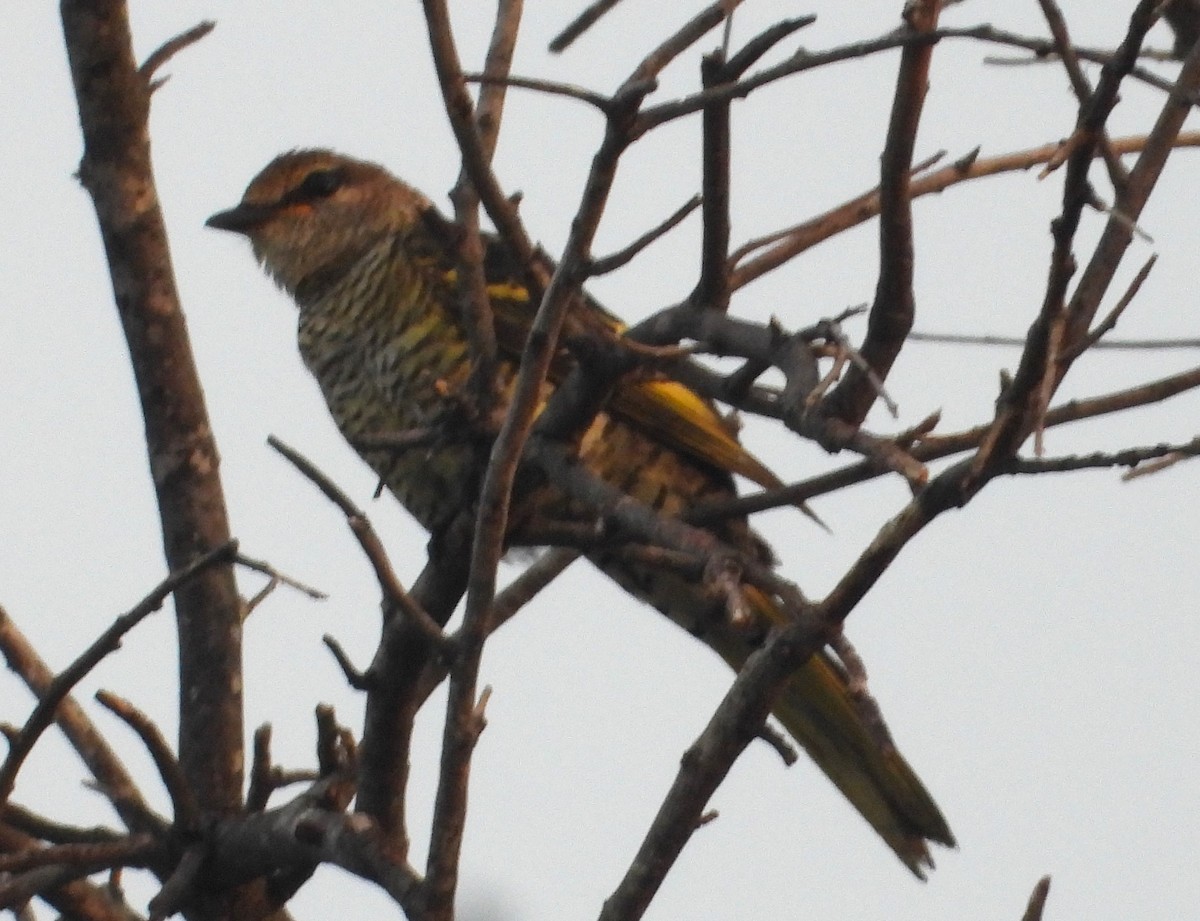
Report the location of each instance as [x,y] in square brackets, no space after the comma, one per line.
[1035,653]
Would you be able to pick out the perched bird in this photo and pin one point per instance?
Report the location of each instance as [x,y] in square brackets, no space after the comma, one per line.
[371,265]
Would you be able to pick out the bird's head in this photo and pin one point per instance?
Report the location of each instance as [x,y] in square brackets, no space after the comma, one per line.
[311,212]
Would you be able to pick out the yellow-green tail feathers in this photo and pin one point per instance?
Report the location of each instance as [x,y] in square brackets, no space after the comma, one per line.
[816,709]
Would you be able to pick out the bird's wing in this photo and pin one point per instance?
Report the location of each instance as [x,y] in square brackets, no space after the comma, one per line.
[671,412]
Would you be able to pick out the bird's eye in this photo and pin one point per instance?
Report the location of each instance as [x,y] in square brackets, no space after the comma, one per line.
[321,183]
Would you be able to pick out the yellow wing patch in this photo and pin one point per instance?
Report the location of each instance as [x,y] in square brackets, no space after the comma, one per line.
[684,419]
[668,410]
[507,290]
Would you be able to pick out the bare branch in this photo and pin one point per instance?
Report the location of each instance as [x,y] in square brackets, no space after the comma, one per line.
[172,47]
[1127,457]
[393,683]
[474,303]
[293,839]
[804,60]
[105,766]
[712,288]
[754,49]
[585,20]
[933,447]
[687,35]
[1116,345]
[116,170]
[526,586]
[29,822]
[179,886]
[355,678]
[396,597]
[1093,338]
[59,887]
[131,850]
[786,244]
[186,808]
[894,308]
[267,569]
[549,87]
[1037,900]
[1018,407]
[476,157]
[605,264]
[1080,85]
[1117,234]
[262,783]
[59,864]
[109,641]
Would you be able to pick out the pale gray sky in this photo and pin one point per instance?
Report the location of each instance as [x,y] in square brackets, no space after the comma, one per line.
[1035,653]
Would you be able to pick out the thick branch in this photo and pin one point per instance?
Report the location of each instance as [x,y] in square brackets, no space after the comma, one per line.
[114,105]
[894,308]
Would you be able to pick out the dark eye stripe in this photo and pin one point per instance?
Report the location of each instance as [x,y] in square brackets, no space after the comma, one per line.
[319,183]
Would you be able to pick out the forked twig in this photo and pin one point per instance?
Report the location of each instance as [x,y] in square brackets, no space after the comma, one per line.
[109,641]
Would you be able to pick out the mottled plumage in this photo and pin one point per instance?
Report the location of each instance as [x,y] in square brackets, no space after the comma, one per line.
[370,264]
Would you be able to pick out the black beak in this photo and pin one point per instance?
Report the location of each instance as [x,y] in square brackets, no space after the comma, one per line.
[243,218]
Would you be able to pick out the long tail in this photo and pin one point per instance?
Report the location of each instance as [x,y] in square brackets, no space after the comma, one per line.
[817,710]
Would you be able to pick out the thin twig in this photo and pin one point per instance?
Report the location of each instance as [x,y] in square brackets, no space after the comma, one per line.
[930,448]
[581,23]
[508,602]
[781,743]
[528,584]
[476,158]
[610,263]
[1093,338]
[268,570]
[1170,459]
[1037,900]
[795,240]
[1080,85]
[183,800]
[1128,457]
[170,48]
[1117,235]
[360,526]
[777,236]
[474,303]
[549,87]
[804,60]
[126,850]
[667,51]
[1045,390]
[59,882]
[1059,326]
[354,677]
[1116,345]
[46,829]
[767,39]
[108,641]
[110,774]
[262,783]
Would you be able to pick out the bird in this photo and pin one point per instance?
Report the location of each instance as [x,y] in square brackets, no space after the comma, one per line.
[371,265]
